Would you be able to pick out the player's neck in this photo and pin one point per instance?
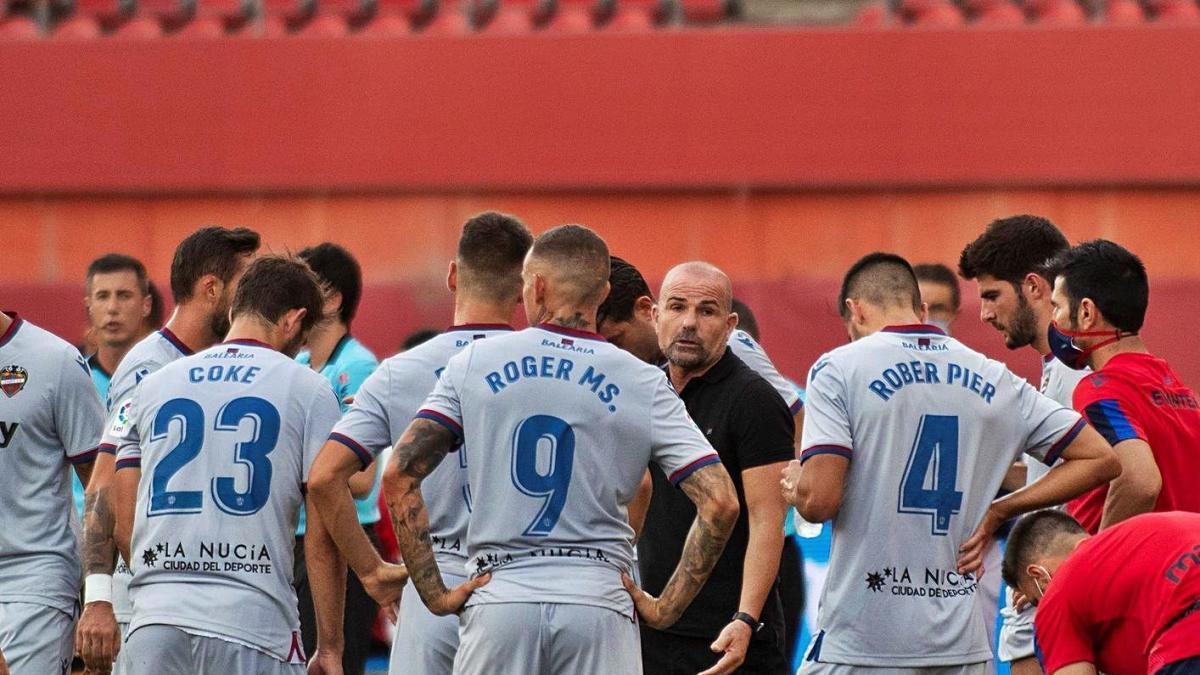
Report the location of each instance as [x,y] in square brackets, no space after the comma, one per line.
[322,341]
[251,329]
[5,322]
[109,356]
[575,318]
[1040,342]
[469,310]
[1131,344]
[192,325]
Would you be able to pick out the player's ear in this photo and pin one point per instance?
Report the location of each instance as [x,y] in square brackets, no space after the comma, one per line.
[452,277]
[210,288]
[923,313]
[147,306]
[1089,315]
[1035,287]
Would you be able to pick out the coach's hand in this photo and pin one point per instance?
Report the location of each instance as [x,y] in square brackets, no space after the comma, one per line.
[653,611]
[325,663]
[452,601]
[970,554]
[384,585]
[734,640]
[98,637]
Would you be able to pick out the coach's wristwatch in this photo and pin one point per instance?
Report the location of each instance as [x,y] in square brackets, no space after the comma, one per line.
[745,618]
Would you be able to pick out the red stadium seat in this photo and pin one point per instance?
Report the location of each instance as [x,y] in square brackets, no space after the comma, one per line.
[572,16]
[281,17]
[1174,11]
[930,13]
[1001,14]
[91,18]
[875,15]
[397,17]
[19,28]
[335,18]
[139,28]
[452,17]
[1057,12]
[511,17]
[638,15]
[1127,12]
[706,11]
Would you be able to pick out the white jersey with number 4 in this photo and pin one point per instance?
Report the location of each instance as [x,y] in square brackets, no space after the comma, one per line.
[224,440]
[559,426]
[930,428]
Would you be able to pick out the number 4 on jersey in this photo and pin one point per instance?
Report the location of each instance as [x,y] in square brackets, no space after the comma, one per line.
[934,452]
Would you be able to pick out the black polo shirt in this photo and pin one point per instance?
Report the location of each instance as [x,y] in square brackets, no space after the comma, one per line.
[749,425]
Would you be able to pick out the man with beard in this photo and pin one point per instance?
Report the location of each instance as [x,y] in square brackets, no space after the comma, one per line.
[737,615]
[204,276]
[214,451]
[1133,398]
[1014,298]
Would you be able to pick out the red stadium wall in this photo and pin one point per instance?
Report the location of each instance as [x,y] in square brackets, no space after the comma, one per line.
[781,155]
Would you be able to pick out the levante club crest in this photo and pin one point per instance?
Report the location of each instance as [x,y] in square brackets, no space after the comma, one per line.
[12,380]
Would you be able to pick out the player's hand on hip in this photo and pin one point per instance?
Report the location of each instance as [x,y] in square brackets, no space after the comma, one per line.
[971,553]
[385,584]
[325,663]
[452,601]
[3,665]
[98,637]
[788,481]
[732,644]
[652,611]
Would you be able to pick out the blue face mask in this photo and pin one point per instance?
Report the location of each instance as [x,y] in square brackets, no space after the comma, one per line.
[1065,349]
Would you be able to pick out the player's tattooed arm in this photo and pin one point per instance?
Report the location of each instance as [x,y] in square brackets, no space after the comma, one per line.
[712,491]
[422,447]
[97,635]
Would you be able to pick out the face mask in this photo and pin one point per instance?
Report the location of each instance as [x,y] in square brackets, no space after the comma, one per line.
[1064,348]
[1038,584]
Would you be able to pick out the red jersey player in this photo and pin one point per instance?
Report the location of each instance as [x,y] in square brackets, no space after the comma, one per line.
[1124,602]
[1133,398]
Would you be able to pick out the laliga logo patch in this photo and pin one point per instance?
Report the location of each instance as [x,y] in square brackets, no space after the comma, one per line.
[13,379]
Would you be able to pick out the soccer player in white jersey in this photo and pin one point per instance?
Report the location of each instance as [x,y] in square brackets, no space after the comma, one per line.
[50,420]
[212,459]
[907,438]
[1007,263]
[559,426]
[204,276]
[485,277]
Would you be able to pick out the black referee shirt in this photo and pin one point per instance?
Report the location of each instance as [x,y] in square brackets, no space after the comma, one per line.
[749,425]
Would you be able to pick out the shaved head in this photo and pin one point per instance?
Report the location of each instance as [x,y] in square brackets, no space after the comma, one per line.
[702,276]
[574,260]
[884,280]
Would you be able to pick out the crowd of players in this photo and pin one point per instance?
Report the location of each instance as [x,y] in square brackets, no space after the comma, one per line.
[604,491]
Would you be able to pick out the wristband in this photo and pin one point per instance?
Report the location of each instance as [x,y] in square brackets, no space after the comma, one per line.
[97,588]
[745,618]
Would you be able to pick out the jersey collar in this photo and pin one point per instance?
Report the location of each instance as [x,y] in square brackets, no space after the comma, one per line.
[915,329]
[479,326]
[247,342]
[337,349]
[174,340]
[571,332]
[12,327]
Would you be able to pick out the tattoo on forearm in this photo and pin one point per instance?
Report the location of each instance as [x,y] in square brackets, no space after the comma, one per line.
[99,547]
[704,544]
[417,455]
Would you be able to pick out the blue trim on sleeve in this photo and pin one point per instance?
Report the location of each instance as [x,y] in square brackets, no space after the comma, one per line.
[839,450]
[84,457]
[1109,419]
[795,407]
[361,452]
[681,474]
[441,419]
[129,463]
[1056,449]
[108,448]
